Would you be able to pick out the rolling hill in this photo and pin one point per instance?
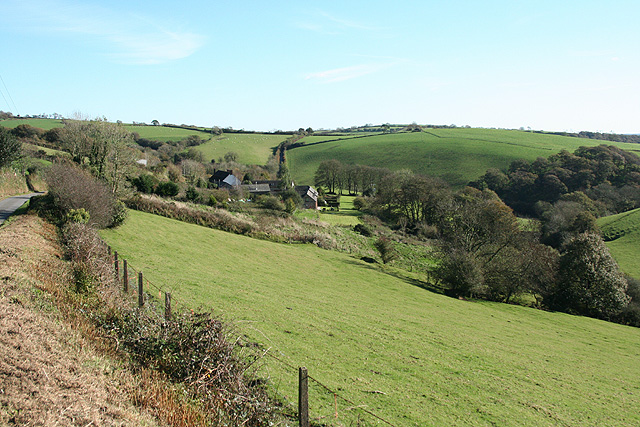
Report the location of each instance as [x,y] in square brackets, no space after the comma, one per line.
[411,356]
[456,155]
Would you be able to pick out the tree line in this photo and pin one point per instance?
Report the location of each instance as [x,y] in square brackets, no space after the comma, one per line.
[486,252]
[607,175]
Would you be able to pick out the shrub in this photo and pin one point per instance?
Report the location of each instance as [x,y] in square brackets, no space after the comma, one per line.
[385,248]
[360,203]
[145,183]
[426,231]
[9,147]
[80,216]
[589,280]
[290,206]
[363,229]
[120,214]
[88,256]
[212,200]
[270,202]
[460,273]
[167,189]
[292,200]
[74,188]
[192,195]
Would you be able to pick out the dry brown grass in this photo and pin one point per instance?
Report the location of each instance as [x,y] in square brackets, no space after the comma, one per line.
[50,372]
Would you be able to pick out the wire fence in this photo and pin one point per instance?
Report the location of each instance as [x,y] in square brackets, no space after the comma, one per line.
[343,412]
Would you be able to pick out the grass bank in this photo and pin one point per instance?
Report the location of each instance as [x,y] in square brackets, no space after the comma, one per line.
[407,354]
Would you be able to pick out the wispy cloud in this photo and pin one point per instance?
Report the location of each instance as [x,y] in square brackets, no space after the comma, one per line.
[326,23]
[346,23]
[127,38]
[346,73]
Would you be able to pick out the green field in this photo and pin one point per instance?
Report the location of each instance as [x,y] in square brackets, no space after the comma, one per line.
[624,229]
[252,148]
[45,124]
[159,133]
[411,356]
[165,134]
[456,155]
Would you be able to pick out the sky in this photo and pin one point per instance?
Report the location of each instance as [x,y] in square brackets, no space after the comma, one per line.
[270,65]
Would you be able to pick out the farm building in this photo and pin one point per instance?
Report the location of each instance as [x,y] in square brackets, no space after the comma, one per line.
[309,196]
[256,189]
[225,179]
[274,185]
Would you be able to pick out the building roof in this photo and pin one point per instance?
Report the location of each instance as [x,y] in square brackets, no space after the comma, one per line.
[256,188]
[232,180]
[307,190]
[220,175]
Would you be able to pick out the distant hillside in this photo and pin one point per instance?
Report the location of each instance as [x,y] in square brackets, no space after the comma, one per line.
[457,155]
[252,148]
[622,235]
[45,124]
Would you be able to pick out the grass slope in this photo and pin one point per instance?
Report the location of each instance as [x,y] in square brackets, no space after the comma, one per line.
[456,155]
[411,356]
[252,148]
[623,234]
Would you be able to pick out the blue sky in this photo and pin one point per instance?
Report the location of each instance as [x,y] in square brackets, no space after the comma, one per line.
[266,65]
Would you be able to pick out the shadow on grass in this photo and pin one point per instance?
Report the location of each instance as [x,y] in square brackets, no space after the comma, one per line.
[416,282]
[398,275]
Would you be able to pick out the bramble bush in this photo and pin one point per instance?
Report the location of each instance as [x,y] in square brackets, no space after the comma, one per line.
[196,349]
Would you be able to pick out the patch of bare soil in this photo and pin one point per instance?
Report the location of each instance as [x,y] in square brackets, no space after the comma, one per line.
[49,374]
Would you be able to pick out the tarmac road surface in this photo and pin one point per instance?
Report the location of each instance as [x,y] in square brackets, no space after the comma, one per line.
[9,206]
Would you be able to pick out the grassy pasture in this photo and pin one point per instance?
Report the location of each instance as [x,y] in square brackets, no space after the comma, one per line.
[624,229]
[252,148]
[413,357]
[456,155]
[165,134]
[45,124]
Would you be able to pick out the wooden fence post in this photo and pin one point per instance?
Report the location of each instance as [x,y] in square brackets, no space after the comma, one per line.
[303,397]
[125,276]
[167,305]
[109,249]
[116,263]
[140,290]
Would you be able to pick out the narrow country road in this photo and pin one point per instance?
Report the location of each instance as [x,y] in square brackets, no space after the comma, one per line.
[9,206]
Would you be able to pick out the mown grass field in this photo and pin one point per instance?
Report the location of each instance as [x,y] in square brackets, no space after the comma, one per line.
[456,155]
[411,356]
[252,148]
[624,228]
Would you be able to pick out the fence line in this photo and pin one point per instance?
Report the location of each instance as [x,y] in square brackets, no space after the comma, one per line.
[331,391]
[303,374]
[127,268]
